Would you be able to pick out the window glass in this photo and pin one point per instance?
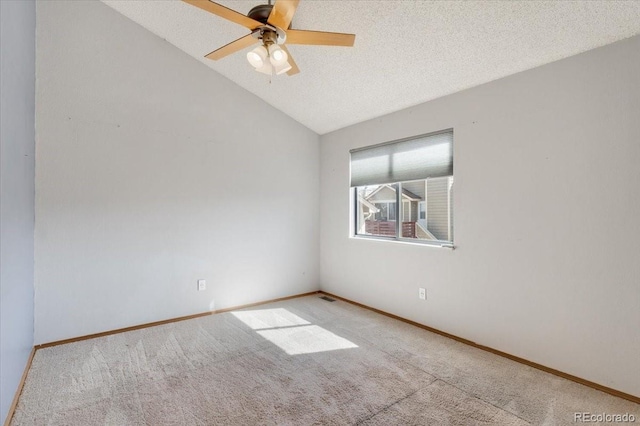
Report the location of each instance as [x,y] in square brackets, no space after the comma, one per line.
[417,202]
[376,210]
[429,205]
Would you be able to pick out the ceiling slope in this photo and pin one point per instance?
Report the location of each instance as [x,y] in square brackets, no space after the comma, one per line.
[406,52]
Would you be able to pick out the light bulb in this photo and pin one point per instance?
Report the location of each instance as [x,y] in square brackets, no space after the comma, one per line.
[254,59]
[277,56]
[257,57]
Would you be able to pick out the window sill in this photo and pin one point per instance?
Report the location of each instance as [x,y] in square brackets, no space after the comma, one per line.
[406,242]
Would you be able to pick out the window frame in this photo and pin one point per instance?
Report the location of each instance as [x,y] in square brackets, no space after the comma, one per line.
[399,213]
[354,219]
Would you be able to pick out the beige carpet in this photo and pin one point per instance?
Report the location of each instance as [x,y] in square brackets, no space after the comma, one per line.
[300,362]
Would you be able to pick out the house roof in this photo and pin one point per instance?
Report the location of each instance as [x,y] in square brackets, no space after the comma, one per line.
[405,53]
[369,205]
[411,195]
[408,194]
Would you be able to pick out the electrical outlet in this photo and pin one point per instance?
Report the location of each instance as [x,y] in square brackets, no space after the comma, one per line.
[202,285]
[422,293]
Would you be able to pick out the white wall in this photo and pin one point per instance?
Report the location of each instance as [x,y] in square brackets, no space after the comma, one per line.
[17,98]
[547,218]
[154,171]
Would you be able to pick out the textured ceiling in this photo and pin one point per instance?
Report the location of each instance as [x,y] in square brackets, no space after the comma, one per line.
[406,52]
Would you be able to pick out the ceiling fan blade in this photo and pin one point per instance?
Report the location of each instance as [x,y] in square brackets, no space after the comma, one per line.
[294,67]
[232,47]
[282,13]
[225,12]
[320,38]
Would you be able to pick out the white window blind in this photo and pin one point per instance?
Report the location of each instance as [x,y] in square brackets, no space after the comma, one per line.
[416,158]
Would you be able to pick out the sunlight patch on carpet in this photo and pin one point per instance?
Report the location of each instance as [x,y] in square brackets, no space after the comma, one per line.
[269,318]
[291,333]
[305,339]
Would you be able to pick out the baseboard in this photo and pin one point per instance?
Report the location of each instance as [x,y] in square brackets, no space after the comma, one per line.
[167,321]
[541,367]
[14,403]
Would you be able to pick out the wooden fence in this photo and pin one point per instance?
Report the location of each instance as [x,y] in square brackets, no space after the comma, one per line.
[388,228]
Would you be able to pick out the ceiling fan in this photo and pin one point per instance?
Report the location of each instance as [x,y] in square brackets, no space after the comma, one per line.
[269,25]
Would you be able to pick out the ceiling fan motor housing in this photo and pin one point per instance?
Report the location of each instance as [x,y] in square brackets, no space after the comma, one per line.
[268,33]
[260,13]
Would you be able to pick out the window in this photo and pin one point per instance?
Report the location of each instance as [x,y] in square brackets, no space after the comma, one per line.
[410,179]
[386,211]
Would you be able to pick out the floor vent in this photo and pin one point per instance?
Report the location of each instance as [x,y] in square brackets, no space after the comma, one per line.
[327,298]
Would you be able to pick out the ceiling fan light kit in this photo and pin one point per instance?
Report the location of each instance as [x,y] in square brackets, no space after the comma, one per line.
[278,58]
[270,24]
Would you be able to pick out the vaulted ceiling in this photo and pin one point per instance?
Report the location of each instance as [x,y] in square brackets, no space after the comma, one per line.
[406,52]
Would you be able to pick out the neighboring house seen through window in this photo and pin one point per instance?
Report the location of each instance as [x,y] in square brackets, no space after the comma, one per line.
[411,179]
